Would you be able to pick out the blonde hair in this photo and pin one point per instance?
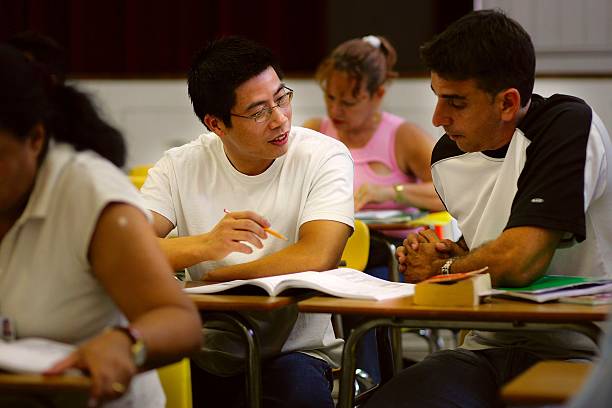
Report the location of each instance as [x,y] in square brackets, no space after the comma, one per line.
[369,59]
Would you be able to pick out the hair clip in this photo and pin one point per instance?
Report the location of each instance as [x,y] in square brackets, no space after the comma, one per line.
[373,40]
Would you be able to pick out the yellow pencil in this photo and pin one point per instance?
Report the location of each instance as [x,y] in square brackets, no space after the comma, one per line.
[276,234]
[268,229]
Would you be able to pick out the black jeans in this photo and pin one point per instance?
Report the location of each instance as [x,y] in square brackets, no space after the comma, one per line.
[455,378]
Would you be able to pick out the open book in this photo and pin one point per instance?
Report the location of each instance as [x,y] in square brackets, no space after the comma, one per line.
[553,287]
[342,282]
[32,355]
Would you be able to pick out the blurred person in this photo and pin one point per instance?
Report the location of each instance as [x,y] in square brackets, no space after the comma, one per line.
[392,156]
[79,262]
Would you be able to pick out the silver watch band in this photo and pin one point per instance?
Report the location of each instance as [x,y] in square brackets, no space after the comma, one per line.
[446,267]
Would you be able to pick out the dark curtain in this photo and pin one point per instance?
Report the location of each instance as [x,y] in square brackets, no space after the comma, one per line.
[146,38]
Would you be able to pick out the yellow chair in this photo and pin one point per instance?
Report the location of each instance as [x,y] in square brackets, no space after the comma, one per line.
[137,181]
[140,170]
[176,381]
[355,255]
[138,174]
[357,249]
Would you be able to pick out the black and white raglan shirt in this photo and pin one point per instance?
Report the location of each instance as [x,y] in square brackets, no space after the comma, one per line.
[556,173]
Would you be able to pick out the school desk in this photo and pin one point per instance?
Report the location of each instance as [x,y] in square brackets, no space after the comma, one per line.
[547,382]
[499,314]
[49,391]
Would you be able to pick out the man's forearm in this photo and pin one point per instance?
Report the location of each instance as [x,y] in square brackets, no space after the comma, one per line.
[295,258]
[516,258]
[181,252]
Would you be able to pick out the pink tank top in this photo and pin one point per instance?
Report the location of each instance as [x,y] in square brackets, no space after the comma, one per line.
[380,148]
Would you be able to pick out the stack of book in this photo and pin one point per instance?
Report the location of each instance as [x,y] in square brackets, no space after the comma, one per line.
[570,289]
[389,216]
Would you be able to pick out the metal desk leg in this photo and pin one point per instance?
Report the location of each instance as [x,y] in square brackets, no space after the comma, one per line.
[253,365]
[396,333]
[346,395]
[385,353]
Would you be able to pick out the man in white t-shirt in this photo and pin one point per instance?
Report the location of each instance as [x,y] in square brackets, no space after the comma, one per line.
[251,172]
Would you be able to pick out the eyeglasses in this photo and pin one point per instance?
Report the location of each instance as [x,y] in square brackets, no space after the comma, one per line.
[265,113]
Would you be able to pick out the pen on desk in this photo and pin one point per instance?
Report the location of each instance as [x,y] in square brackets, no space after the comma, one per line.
[267,229]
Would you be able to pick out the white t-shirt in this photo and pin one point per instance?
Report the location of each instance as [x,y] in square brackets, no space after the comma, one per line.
[46,283]
[191,185]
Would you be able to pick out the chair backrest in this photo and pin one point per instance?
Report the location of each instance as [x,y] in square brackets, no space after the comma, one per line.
[357,249]
[176,381]
[138,181]
[140,170]
[138,174]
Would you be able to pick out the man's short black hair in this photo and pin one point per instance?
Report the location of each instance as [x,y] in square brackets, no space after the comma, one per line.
[486,46]
[221,67]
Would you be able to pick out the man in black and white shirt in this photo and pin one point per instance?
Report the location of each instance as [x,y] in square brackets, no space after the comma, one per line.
[528,180]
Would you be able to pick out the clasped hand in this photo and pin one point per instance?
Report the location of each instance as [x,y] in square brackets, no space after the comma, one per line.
[422,254]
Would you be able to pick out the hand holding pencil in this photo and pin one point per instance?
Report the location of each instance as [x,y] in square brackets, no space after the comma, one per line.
[237,231]
[267,229]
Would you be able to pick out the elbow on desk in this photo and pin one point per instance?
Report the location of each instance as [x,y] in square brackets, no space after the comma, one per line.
[514,275]
[325,265]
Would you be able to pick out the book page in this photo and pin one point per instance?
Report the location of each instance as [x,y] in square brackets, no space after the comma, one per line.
[597,299]
[201,288]
[342,282]
[348,283]
[377,214]
[32,355]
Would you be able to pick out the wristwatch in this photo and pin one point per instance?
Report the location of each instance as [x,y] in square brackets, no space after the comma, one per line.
[138,349]
[445,269]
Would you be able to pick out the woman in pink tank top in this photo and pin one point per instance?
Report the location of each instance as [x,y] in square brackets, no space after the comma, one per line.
[392,156]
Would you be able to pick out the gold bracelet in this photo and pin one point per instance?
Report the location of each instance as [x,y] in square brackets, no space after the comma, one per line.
[399,194]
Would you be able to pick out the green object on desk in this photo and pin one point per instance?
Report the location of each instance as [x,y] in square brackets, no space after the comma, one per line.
[550,282]
[553,287]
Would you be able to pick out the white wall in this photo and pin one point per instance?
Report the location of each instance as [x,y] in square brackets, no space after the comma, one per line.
[570,36]
[156,115]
